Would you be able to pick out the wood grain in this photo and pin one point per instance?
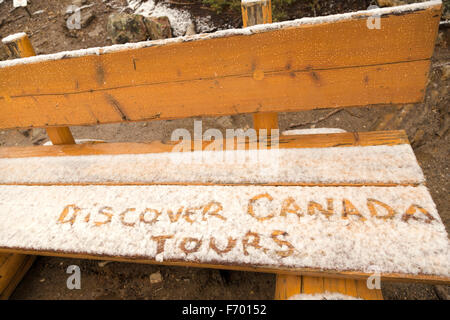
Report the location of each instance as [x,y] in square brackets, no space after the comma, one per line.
[22,269]
[338,140]
[226,75]
[281,270]
[287,286]
[9,268]
[21,47]
[253,13]
[256,12]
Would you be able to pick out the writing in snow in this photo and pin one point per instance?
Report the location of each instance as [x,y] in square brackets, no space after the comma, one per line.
[257,208]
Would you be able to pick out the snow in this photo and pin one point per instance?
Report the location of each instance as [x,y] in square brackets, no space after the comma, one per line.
[121,221]
[225,33]
[13,37]
[323,296]
[179,19]
[364,165]
[312,131]
[78,141]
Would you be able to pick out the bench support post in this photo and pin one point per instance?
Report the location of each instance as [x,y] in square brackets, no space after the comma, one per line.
[260,12]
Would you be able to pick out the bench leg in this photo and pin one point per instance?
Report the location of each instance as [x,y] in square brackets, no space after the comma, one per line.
[13,268]
[290,285]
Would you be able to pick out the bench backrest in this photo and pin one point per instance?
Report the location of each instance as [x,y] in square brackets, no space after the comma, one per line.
[330,62]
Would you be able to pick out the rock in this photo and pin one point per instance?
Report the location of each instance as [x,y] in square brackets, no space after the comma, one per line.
[443,292]
[76,19]
[86,18]
[418,138]
[124,27]
[158,28]
[390,3]
[96,32]
[445,72]
[79,3]
[444,126]
[225,121]
[102,264]
[156,278]
[402,114]
[440,40]
[190,29]
[384,122]
[3,52]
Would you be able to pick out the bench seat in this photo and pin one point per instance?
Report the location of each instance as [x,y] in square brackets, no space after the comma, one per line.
[360,208]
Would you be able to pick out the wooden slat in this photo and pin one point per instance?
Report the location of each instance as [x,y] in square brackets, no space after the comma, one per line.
[365,293]
[256,12]
[287,286]
[55,168]
[299,67]
[21,47]
[17,277]
[9,268]
[60,135]
[397,277]
[347,139]
[312,285]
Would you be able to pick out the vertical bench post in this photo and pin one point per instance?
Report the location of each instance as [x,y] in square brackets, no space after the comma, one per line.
[20,46]
[259,12]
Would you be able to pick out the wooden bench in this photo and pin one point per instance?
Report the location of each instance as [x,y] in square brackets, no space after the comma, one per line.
[324,212]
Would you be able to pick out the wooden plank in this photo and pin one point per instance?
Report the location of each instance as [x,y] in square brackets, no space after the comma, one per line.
[396,165]
[21,47]
[311,272]
[288,74]
[312,285]
[68,213]
[9,269]
[256,12]
[368,294]
[60,135]
[346,139]
[287,286]
[18,276]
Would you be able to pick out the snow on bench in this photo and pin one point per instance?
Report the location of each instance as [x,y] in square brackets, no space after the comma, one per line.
[361,165]
[354,224]
[369,229]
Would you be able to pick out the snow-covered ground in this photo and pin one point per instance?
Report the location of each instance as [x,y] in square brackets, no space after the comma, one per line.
[180,20]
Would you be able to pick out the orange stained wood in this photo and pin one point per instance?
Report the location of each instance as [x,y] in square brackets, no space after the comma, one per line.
[256,12]
[21,47]
[287,286]
[60,135]
[346,139]
[253,13]
[312,272]
[9,267]
[20,271]
[229,75]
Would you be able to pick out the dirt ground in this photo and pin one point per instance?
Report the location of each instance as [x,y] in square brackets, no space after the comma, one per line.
[427,126]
